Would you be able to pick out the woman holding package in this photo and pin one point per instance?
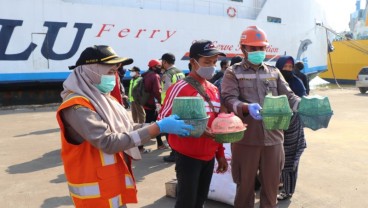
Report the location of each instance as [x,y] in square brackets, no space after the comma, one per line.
[294,140]
[98,137]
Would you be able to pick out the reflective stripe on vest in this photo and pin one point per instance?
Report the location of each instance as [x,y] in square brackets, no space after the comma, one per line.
[92,190]
[107,159]
[116,202]
[88,192]
[253,76]
[129,182]
[85,190]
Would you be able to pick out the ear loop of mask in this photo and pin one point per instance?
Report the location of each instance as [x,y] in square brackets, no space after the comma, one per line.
[197,62]
[99,75]
[243,49]
[94,72]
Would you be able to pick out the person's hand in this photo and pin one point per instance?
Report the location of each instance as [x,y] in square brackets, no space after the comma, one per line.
[158,107]
[222,165]
[208,132]
[254,111]
[172,125]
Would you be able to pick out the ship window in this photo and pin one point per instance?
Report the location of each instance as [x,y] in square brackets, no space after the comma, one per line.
[273,19]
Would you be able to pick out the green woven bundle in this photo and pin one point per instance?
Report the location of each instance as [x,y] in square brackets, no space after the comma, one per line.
[199,126]
[189,108]
[315,112]
[276,121]
[229,137]
[276,112]
[314,105]
[316,122]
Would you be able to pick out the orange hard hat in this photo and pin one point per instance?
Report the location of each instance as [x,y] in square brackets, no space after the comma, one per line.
[153,63]
[253,36]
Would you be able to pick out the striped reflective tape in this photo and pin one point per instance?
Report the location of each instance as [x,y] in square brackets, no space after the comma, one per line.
[85,190]
[129,182]
[254,76]
[245,76]
[116,202]
[107,159]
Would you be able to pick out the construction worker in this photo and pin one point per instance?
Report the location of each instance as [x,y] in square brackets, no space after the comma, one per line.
[244,87]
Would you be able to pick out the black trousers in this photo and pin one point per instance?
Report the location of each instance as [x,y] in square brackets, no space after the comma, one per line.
[151,115]
[194,178]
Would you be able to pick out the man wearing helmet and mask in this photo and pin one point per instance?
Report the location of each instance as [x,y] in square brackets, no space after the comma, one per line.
[244,88]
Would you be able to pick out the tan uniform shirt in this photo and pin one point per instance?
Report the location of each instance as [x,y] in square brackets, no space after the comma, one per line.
[98,132]
[242,84]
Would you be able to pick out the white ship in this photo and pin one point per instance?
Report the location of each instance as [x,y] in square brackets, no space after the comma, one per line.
[40,39]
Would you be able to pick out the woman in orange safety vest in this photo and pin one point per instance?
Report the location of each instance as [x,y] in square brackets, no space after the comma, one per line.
[98,137]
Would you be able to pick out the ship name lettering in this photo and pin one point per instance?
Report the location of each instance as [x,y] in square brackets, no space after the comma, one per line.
[47,50]
[138,33]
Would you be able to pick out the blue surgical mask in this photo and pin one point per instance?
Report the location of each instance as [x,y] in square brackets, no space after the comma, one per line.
[107,83]
[256,57]
[206,72]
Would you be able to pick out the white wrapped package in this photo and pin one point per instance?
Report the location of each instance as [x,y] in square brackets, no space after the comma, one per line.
[222,186]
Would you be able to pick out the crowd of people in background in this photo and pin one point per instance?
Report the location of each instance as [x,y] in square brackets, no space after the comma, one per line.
[270,158]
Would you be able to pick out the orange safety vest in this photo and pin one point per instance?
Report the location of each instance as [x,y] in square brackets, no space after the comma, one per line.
[95,179]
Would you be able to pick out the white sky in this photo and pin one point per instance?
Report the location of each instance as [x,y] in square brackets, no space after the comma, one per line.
[338,12]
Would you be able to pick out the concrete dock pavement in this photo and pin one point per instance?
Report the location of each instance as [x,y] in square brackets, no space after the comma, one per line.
[333,169]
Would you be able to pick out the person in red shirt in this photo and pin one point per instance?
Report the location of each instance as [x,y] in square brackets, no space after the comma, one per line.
[195,157]
[152,85]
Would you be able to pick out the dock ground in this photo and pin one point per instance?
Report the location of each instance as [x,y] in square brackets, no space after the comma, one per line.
[333,171]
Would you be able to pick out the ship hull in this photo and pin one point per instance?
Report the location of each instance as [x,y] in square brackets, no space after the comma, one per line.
[346,61]
[40,39]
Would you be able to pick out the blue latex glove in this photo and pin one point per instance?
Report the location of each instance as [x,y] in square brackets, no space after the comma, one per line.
[254,111]
[172,125]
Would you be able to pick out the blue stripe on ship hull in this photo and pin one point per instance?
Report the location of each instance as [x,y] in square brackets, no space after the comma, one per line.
[33,77]
[315,69]
[61,76]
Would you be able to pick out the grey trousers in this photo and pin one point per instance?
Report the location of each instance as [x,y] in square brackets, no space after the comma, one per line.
[246,161]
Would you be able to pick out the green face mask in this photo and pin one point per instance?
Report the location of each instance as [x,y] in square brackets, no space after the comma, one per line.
[256,57]
[107,83]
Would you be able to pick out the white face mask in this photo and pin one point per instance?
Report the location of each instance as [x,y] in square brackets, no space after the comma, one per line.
[132,74]
[206,72]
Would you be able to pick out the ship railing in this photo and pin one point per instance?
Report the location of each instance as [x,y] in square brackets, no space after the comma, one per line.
[244,9]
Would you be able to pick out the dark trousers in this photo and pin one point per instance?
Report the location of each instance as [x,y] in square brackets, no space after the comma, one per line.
[194,178]
[288,179]
[151,115]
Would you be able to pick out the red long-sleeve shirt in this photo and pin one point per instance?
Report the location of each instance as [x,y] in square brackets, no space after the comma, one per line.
[204,147]
[152,85]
